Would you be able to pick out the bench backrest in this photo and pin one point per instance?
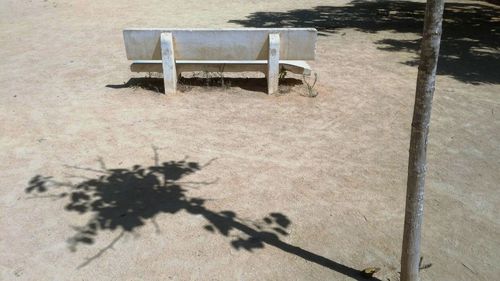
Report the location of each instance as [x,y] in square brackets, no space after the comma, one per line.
[221,44]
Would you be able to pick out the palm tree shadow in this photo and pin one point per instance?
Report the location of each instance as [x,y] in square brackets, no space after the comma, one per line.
[124,200]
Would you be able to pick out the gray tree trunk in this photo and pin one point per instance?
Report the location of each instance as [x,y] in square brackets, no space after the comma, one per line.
[426,79]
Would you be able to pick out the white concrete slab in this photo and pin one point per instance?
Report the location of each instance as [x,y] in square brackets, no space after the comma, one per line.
[221,44]
[273,63]
[293,66]
[168,63]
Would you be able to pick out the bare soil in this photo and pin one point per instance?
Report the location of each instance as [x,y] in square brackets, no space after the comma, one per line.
[106,178]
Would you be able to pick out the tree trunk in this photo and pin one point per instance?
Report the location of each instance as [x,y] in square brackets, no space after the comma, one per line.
[418,144]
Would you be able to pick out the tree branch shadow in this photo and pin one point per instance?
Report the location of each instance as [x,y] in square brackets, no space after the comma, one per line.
[125,199]
[470,50]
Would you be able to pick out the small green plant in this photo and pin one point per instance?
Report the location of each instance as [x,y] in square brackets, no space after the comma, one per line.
[282,73]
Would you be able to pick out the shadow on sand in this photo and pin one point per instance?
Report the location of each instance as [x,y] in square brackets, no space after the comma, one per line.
[123,200]
[187,84]
[470,49]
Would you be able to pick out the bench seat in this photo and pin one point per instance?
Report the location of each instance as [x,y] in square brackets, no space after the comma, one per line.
[172,51]
[294,66]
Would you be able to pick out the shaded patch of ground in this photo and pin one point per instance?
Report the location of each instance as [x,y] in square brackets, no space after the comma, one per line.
[125,199]
[470,51]
[186,84]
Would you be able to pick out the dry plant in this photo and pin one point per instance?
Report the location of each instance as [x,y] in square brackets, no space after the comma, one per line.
[182,86]
[215,78]
[284,89]
[220,74]
[311,92]
[207,77]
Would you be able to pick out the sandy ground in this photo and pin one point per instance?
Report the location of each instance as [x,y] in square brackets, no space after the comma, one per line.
[273,187]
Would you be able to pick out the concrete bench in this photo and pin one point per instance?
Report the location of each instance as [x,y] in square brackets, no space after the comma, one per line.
[267,50]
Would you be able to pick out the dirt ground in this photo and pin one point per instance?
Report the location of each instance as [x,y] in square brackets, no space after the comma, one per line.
[104,179]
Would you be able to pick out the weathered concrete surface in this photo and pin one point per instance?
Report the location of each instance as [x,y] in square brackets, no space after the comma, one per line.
[221,44]
[293,66]
[168,63]
[273,63]
[335,165]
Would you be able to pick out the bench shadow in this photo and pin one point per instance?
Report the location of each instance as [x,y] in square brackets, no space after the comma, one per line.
[146,83]
[470,50]
[187,84]
[122,200]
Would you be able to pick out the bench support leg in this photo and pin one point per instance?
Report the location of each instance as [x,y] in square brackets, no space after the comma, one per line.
[273,63]
[168,62]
